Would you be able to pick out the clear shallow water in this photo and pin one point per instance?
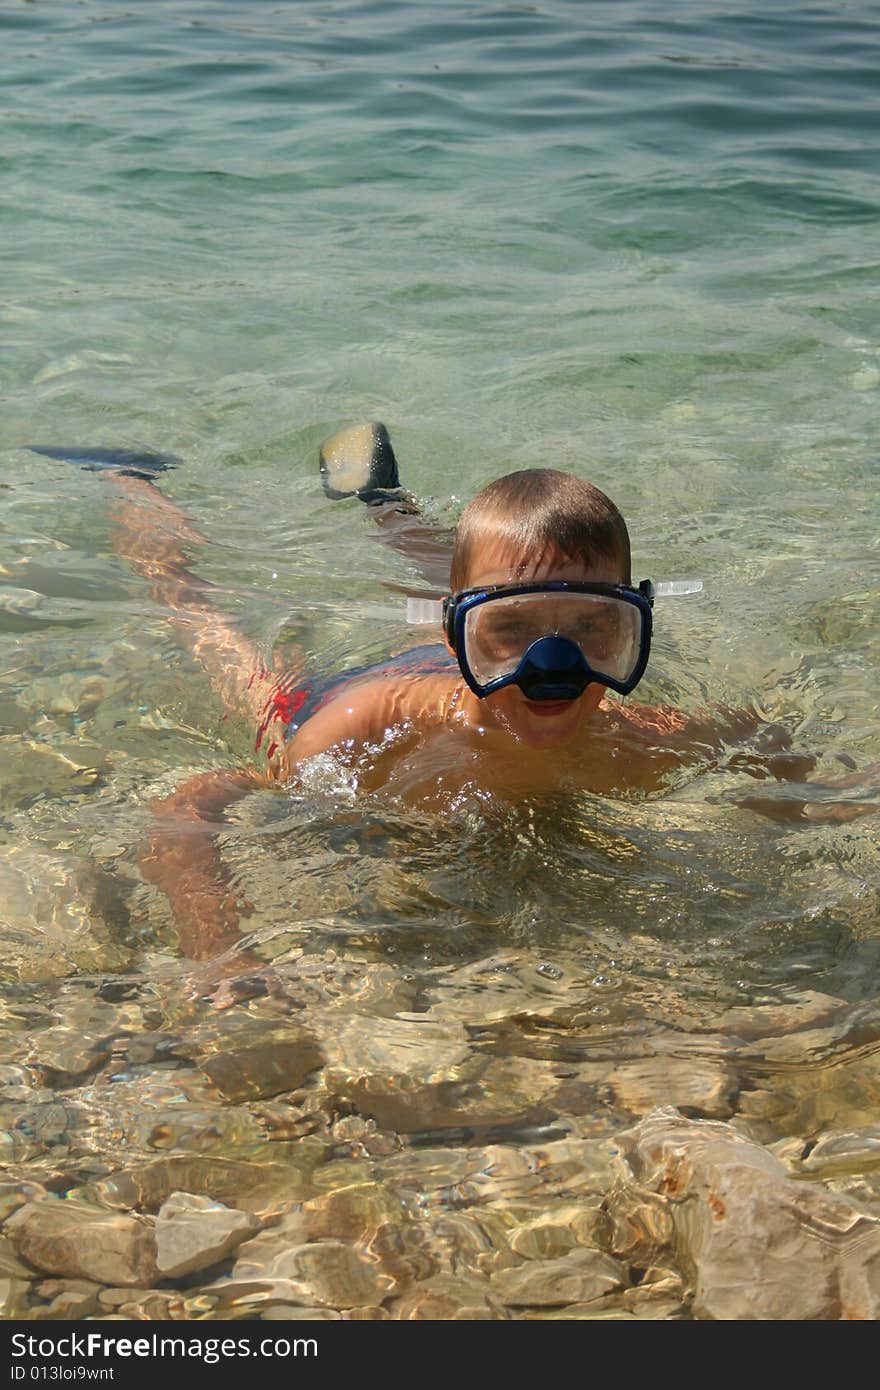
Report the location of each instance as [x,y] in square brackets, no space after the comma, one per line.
[640,247]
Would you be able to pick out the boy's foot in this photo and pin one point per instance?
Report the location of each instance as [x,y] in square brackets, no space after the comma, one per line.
[360,462]
[134,463]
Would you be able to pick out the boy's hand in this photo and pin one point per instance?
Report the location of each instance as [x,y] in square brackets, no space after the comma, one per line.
[769,754]
[229,980]
[832,800]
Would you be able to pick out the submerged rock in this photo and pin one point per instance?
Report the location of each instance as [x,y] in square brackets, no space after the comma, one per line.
[144,1305]
[841,1152]
[257,1258]
[45,1121]
[510,985]
[254,1186]
[449,1298]
[660,1294]
[475,1240]
[804,1081]
[11,1266]
[554,1232]
[61,1056]
[74,1239]
[499,1174]
[13,1298]
[808,1010]
[398,1072]
[335,1275]
[68,1299]
[195,1232]
[578,1277]
[628,1306]
[641,1226]
[425,1177]
[755,1242]
[267,1069]
[322,1273]
[286,1312]
[50,922]
[694,1084]
[352,1213]
[503,1175]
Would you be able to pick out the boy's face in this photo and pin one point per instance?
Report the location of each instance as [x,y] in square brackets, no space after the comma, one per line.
[539,723]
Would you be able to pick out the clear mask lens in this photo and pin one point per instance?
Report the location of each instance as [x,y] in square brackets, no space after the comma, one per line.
[497,633]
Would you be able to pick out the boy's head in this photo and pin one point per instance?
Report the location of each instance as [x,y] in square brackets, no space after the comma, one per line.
[533,527]
[531,520]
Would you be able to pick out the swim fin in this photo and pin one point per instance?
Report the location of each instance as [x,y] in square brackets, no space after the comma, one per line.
[360,462]
[134,463]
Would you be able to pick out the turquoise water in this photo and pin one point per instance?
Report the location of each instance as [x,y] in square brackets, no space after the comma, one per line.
[640,243]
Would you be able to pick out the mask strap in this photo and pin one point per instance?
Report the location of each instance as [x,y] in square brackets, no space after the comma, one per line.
[424,610]
[677,588]
[421,611]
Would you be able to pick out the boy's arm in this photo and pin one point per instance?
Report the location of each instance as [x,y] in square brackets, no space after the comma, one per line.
[746,743]
[831,799]
[180,857]
[733,738]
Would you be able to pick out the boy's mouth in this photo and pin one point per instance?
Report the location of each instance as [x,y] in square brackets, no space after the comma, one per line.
[546,708]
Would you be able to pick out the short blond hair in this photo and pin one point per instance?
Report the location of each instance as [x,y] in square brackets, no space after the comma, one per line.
[541,511]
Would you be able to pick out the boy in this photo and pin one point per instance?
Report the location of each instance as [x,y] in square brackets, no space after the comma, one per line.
[471,713]
[541,623]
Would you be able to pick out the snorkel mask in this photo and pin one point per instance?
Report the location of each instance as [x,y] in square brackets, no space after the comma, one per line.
[552,639]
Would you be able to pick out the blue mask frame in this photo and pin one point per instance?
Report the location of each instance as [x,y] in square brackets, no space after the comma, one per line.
[553,667]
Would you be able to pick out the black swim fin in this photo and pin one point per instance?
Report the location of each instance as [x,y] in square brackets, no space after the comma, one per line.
[360,462]
[134,463]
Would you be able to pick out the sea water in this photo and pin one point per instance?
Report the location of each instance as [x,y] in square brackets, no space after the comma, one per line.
[632,241]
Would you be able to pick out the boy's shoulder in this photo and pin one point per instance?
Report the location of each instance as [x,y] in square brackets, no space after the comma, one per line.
[651,721]
[362,710]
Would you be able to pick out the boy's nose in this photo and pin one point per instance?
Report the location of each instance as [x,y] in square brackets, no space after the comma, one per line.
[553,669]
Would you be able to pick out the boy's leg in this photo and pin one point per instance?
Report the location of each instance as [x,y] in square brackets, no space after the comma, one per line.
[180,855]
[360,462]
[429,547]
[153,534]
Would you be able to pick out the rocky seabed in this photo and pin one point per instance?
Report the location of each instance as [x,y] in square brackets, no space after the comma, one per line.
[334,1146]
